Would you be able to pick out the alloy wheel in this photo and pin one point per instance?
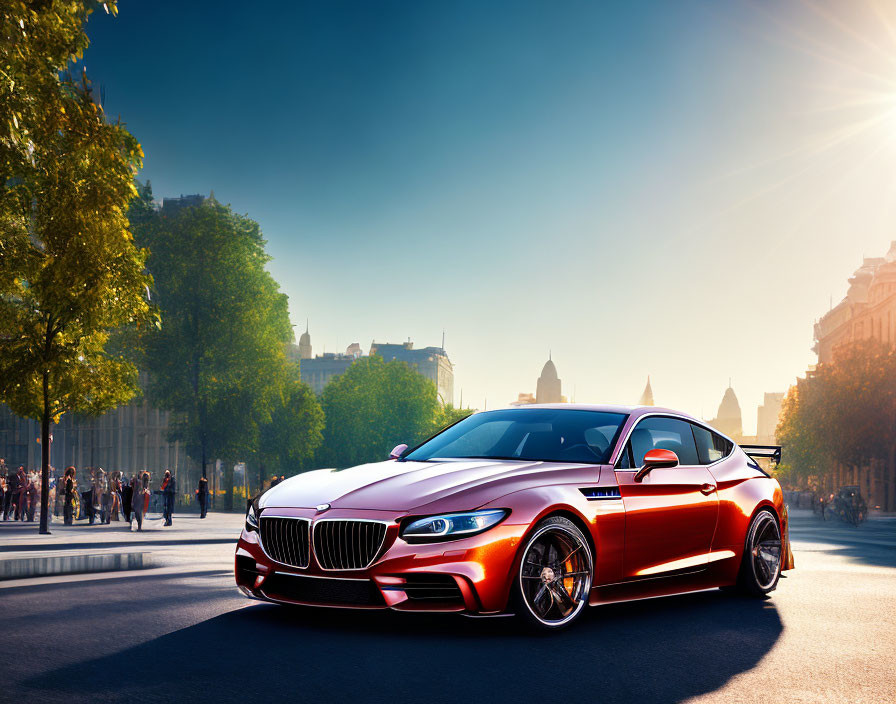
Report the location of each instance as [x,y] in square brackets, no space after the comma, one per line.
[555,574]
[765,550]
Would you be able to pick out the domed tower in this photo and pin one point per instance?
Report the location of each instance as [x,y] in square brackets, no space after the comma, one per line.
[728,419]
[647,396]
[548,387]
[305,344]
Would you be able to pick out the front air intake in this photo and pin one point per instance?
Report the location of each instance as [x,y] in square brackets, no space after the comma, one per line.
[347,544]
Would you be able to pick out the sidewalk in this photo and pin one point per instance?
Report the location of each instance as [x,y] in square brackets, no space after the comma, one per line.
[82,548]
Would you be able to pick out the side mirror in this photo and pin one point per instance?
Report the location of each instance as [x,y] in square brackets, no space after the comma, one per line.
[656,459]
[397,450]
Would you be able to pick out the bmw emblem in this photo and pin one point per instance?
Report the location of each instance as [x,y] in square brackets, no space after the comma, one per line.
[322,507]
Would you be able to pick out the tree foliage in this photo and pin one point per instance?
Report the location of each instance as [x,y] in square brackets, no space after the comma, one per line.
[372,407]
[70,272]
[218,361]
[844,411]
[294,430]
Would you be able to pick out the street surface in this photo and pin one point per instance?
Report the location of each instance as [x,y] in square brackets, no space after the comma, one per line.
[182,633]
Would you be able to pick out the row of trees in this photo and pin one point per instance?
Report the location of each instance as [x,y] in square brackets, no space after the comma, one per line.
[95,282]
[218,361]
[839,423]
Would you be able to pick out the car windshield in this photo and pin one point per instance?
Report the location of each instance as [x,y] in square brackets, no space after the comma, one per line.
[540,434]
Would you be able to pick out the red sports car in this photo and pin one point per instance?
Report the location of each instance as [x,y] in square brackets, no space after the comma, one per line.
[536,510]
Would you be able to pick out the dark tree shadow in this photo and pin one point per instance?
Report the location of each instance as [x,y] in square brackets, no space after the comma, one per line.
[660,650]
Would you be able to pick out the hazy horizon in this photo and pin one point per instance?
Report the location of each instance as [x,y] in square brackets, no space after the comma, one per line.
[673,190]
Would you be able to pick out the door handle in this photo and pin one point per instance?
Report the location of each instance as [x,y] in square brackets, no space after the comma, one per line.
[707,488]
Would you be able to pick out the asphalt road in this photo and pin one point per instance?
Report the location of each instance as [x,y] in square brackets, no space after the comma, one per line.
[182,634]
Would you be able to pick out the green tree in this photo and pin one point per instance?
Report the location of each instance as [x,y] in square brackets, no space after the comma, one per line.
[448,415]
[372,407]
[70,273]
[844,411]
[217,361]
[294,430]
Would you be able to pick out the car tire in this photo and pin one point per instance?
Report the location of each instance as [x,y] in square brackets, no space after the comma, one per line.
[760,567]
[554,575]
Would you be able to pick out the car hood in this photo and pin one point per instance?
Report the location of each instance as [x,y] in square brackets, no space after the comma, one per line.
[408,486]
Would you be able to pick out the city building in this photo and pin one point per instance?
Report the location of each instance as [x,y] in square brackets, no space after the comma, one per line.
[767,418]
[729,420]
[647,395]
[172,204]
[523,399]
[304,348]
[547,389]
[128,438]
[868,309]
[431,362]
[319,371]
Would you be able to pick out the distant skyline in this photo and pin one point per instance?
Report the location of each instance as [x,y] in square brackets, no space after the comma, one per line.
[673,189]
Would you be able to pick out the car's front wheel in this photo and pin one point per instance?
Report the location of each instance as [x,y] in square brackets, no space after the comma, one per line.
[554,577]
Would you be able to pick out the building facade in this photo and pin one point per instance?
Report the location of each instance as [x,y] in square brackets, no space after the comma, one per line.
[729,420]
[319,371]
[431,362]
[548,387]
[130,438]
[767,418]
[867,311]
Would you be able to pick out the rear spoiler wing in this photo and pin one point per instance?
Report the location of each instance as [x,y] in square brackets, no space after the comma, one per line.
[768,452]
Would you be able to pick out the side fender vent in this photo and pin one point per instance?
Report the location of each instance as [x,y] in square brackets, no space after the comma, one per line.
[596,493]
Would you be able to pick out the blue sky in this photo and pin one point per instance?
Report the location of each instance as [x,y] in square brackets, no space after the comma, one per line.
[629,185]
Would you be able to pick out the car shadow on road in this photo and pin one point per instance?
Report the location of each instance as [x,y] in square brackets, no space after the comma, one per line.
[660,650]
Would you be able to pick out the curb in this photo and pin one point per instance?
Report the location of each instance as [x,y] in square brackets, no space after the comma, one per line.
[54,564]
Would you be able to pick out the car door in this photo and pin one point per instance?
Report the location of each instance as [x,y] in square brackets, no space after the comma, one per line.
[671,514]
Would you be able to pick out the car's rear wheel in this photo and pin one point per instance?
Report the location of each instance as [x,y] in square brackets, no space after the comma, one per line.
[555,574]
[760,567]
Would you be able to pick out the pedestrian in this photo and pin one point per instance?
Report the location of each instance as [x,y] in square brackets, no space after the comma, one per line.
[202,496]
[113,496]
[32,487]
[96,496]
[21,489]
[275,480]
[140,497]
[169,492]
[68,510]
[12,493]
[127,493]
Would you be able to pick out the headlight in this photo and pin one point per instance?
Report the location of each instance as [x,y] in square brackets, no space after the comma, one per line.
[451,526]
[251,519]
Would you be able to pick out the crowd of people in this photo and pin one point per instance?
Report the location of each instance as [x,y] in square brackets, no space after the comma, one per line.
[106,497]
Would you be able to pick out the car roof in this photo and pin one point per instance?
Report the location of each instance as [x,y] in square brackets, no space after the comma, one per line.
[607,408]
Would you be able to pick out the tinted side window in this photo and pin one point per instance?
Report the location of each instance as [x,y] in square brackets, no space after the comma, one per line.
[665,434]
[710,446]
[624,461]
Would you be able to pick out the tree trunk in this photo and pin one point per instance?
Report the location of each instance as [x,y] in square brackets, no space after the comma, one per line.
[260,477]
[45,459]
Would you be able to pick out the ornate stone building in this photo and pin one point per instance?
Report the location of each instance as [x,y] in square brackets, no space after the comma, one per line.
[867,310]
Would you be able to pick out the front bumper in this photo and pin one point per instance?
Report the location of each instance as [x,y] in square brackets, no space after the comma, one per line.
[470,575]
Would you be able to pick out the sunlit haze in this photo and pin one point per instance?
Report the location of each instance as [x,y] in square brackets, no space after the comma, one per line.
[672,189]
